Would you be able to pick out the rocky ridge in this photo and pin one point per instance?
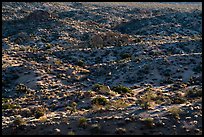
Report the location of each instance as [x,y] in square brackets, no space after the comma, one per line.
[86,68]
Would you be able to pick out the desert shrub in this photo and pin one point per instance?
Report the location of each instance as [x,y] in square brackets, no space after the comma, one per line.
[119,103]
[95,129]
[5,100]
[21,88]
[149,122]
[125,55]
[39,112]
[145,105]
[80,63]
[121,89]
[137,40]
[195,92]
[102,89]
[9,106]
[83,122]
[26,112]
[175,111]
[149,98]
[58,62]
[120,131]
[178,100]
[72,107]
[96,87]
[100,101]
[71,133]
[19,121]
[48,46]
[97,107]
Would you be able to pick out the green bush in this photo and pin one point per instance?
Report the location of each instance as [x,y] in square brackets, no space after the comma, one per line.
[125,55]
[97,87]
[149,122]
[19,121]
[39,112]
[9,106]
[100,101]
[121,89]
[175,111]
[178,100]
[80,63]
[193,93]
[83,122]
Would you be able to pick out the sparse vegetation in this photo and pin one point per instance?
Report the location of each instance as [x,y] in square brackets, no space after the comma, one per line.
[39,112]
[149,122]
[120,131]
[121,89]
[148,100]
[100,101]
[178,100]
[120,103]
[9,106]
[83,122]
[125,55]
[101,68]
[194,92]
[95,129]
[19,121]
[71,133]
[175,111]
[72,107]
[80,63]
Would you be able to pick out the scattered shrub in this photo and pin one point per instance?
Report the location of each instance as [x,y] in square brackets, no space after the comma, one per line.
[121,89]
[19,121]
[71,133]
[39,112]
[125,55]
[95,129]
[26,112]
[96,87]
[80,63]
[83,122]
[72,107]
[100,101]
[9,106]
[119,103]
[195,92]
[175,111]
[120,131]
[149,122]
[178,100]
[103,89]
[58,62]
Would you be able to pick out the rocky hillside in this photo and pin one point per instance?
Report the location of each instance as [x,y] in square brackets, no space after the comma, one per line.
[75,68]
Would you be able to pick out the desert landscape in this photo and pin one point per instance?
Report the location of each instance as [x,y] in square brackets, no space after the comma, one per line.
[101,68]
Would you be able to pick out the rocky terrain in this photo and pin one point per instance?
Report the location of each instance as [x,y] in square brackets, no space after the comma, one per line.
[73,68]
